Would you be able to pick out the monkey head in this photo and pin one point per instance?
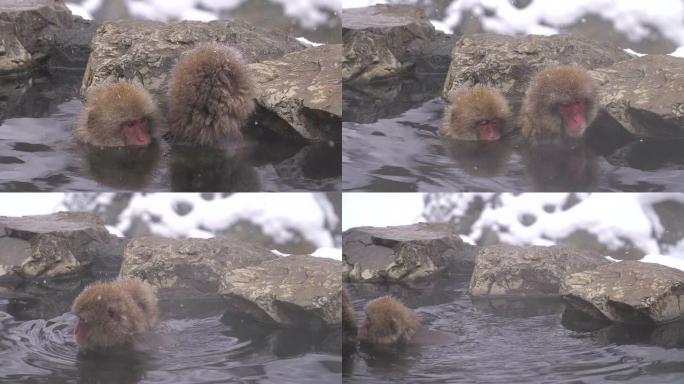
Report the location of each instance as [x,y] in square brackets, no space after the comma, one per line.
[117,115]
[388,321]
[477,114]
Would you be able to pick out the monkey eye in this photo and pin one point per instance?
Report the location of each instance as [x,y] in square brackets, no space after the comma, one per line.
[111,313]
[483,122]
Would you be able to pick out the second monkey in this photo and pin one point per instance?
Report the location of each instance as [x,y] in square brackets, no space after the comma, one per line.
[211,95]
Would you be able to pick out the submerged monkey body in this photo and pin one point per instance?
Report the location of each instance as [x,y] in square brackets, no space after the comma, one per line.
[118,115]
[114,313]
[211,96]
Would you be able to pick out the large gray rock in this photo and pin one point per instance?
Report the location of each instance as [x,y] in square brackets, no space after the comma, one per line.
[508,270]
[509,62]
[189,264]
[298,291]
[404,253]
[147,50]
[34,30]
[630,292]
[387,40]
[645,95]
[304,89]
[44,246]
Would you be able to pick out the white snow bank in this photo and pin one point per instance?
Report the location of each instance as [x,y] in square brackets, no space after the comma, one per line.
[308,42]
[670,261]
[278,214]
[381,209]
[634,18]
[612,217]
[24,204]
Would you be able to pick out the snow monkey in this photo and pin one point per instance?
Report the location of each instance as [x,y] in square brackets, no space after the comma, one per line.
[211,95]
[114,313]
[118,115]
[476,114]
[387,322]
[560,103]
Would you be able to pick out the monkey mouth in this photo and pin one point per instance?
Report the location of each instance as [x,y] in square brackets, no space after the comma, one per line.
[575,128]
[489,133]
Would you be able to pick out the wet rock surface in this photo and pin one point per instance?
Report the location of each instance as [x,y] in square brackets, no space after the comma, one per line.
[509,62]
[645,95]
[507,270]
[35,32]
[303,88]
[404,253]
[386,41]
[628,292]
[197,265]
[293,291]
[55,245]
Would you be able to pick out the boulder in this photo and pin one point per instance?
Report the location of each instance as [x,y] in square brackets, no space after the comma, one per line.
[298,92]
[304,89]
[54,245]
[35,31]
[298,291]
[197,265]
[404,253]
[386,41]
[628,292]
[509,62]
[508,270]
[645,95]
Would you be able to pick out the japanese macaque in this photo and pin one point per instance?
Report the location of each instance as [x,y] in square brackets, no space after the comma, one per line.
[118,115]
[114,313]
[388,322]
[211,95]
[560,103]
[476,114]
[349,327]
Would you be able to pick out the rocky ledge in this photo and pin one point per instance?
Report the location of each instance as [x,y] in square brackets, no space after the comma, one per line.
[628,292]
[385,41]
[404,253]
[301,91]
[61,252]
[508,270]
[39,32]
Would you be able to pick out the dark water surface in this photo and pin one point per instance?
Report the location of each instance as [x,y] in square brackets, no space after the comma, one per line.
[510,342]
[390,143]
[38,153]
[197,346]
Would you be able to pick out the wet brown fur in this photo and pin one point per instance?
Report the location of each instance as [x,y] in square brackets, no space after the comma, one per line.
[113,313]
[470,106]
[211,95]
[108,106]
[539,118]
[349,327]
[389,322]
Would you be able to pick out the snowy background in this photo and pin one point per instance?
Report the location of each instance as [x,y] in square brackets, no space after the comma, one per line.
[286,222]
[620,225]
[655,26]
[315,20]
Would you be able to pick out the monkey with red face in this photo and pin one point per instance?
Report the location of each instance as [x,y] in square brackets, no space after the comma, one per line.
[477,114]
[121,114]
[560,104]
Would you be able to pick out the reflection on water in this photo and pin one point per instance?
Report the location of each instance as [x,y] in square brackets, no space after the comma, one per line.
[38,152]
[198,347]
[511,341]
[395,147]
